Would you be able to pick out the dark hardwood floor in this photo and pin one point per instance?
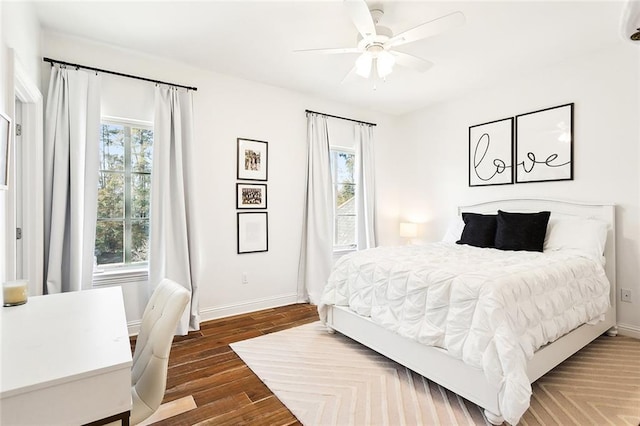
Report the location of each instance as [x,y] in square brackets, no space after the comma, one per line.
[224,389]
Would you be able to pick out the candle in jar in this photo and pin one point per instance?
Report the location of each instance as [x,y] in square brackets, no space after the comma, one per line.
[15,292]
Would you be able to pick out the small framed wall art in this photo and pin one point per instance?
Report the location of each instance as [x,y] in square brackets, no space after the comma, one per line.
[253,232]
[252,159]
[251,196]
[5,138]
[544,145]
[490,153]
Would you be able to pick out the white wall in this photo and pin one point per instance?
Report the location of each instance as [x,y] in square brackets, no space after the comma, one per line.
[225,108]
[21,30]
[20,37]
[426,176]
[3,104]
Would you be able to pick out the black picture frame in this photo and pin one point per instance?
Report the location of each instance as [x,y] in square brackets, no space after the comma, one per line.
[253,160]
[491,153]
[253,232]
[544,145]
[5,148]
[251,196]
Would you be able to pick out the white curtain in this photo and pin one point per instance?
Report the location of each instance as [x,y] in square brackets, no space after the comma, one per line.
[171,252]
[365,186]
[630,20]
[71,158]
[316,250]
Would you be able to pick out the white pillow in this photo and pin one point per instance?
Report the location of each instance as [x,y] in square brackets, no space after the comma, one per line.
[587,236]
[454,230]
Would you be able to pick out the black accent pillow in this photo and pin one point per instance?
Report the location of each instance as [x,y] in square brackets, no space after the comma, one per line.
[479,230]
[521,231]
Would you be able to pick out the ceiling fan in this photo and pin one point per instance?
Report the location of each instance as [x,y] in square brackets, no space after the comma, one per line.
[377,43]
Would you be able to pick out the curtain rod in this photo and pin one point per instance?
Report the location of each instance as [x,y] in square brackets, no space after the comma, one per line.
[78,66]
[340,118]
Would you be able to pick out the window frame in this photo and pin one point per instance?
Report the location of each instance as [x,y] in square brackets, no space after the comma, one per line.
[120,273]
[337,249]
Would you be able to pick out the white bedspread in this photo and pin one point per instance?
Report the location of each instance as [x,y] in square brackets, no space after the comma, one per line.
[488,307]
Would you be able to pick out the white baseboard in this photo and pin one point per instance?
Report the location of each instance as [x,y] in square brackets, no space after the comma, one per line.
[248,306]
[629,330]
[134,327]
[207,314]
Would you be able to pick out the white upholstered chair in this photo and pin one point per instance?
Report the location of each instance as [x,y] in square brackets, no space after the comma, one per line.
[151,356]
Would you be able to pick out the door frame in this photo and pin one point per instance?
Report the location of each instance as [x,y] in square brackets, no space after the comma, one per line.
[32,176]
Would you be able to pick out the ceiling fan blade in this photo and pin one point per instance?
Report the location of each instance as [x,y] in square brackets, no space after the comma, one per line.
[427,29]
[359,13]
[331,51]
[413,62]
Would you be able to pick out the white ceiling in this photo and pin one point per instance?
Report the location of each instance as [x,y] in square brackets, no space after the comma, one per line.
[255,40]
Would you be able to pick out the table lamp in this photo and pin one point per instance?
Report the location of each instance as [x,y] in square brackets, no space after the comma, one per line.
[408,230]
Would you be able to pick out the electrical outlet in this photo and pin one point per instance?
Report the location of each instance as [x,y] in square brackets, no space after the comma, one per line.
[625,295]
[245,278]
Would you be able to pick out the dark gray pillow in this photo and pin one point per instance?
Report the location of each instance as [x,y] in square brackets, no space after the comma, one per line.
[479,230]
[521,231]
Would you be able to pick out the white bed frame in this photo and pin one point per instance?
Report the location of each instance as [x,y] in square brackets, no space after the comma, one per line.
[470,382]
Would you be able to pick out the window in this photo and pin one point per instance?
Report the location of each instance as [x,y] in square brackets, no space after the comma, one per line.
[124,190]
[344,206]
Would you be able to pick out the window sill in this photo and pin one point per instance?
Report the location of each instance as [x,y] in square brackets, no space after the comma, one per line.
[342,251]
[338,253]
[117,276]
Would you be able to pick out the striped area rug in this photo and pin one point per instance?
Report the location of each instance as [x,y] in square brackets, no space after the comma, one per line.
[327,379]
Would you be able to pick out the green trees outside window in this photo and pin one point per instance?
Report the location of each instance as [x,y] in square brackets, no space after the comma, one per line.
[344,189]
[124,190]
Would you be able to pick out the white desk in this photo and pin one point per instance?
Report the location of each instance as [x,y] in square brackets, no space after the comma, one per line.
[65,359]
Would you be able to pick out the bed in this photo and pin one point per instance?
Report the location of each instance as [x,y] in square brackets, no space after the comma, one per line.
[474,379]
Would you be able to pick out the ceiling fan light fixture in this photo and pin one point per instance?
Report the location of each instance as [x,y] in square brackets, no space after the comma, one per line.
[385,62]
[363,65]
[377,43]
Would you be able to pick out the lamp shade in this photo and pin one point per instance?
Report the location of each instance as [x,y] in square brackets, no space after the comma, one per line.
[408,230]
[385,62]
[363,65]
